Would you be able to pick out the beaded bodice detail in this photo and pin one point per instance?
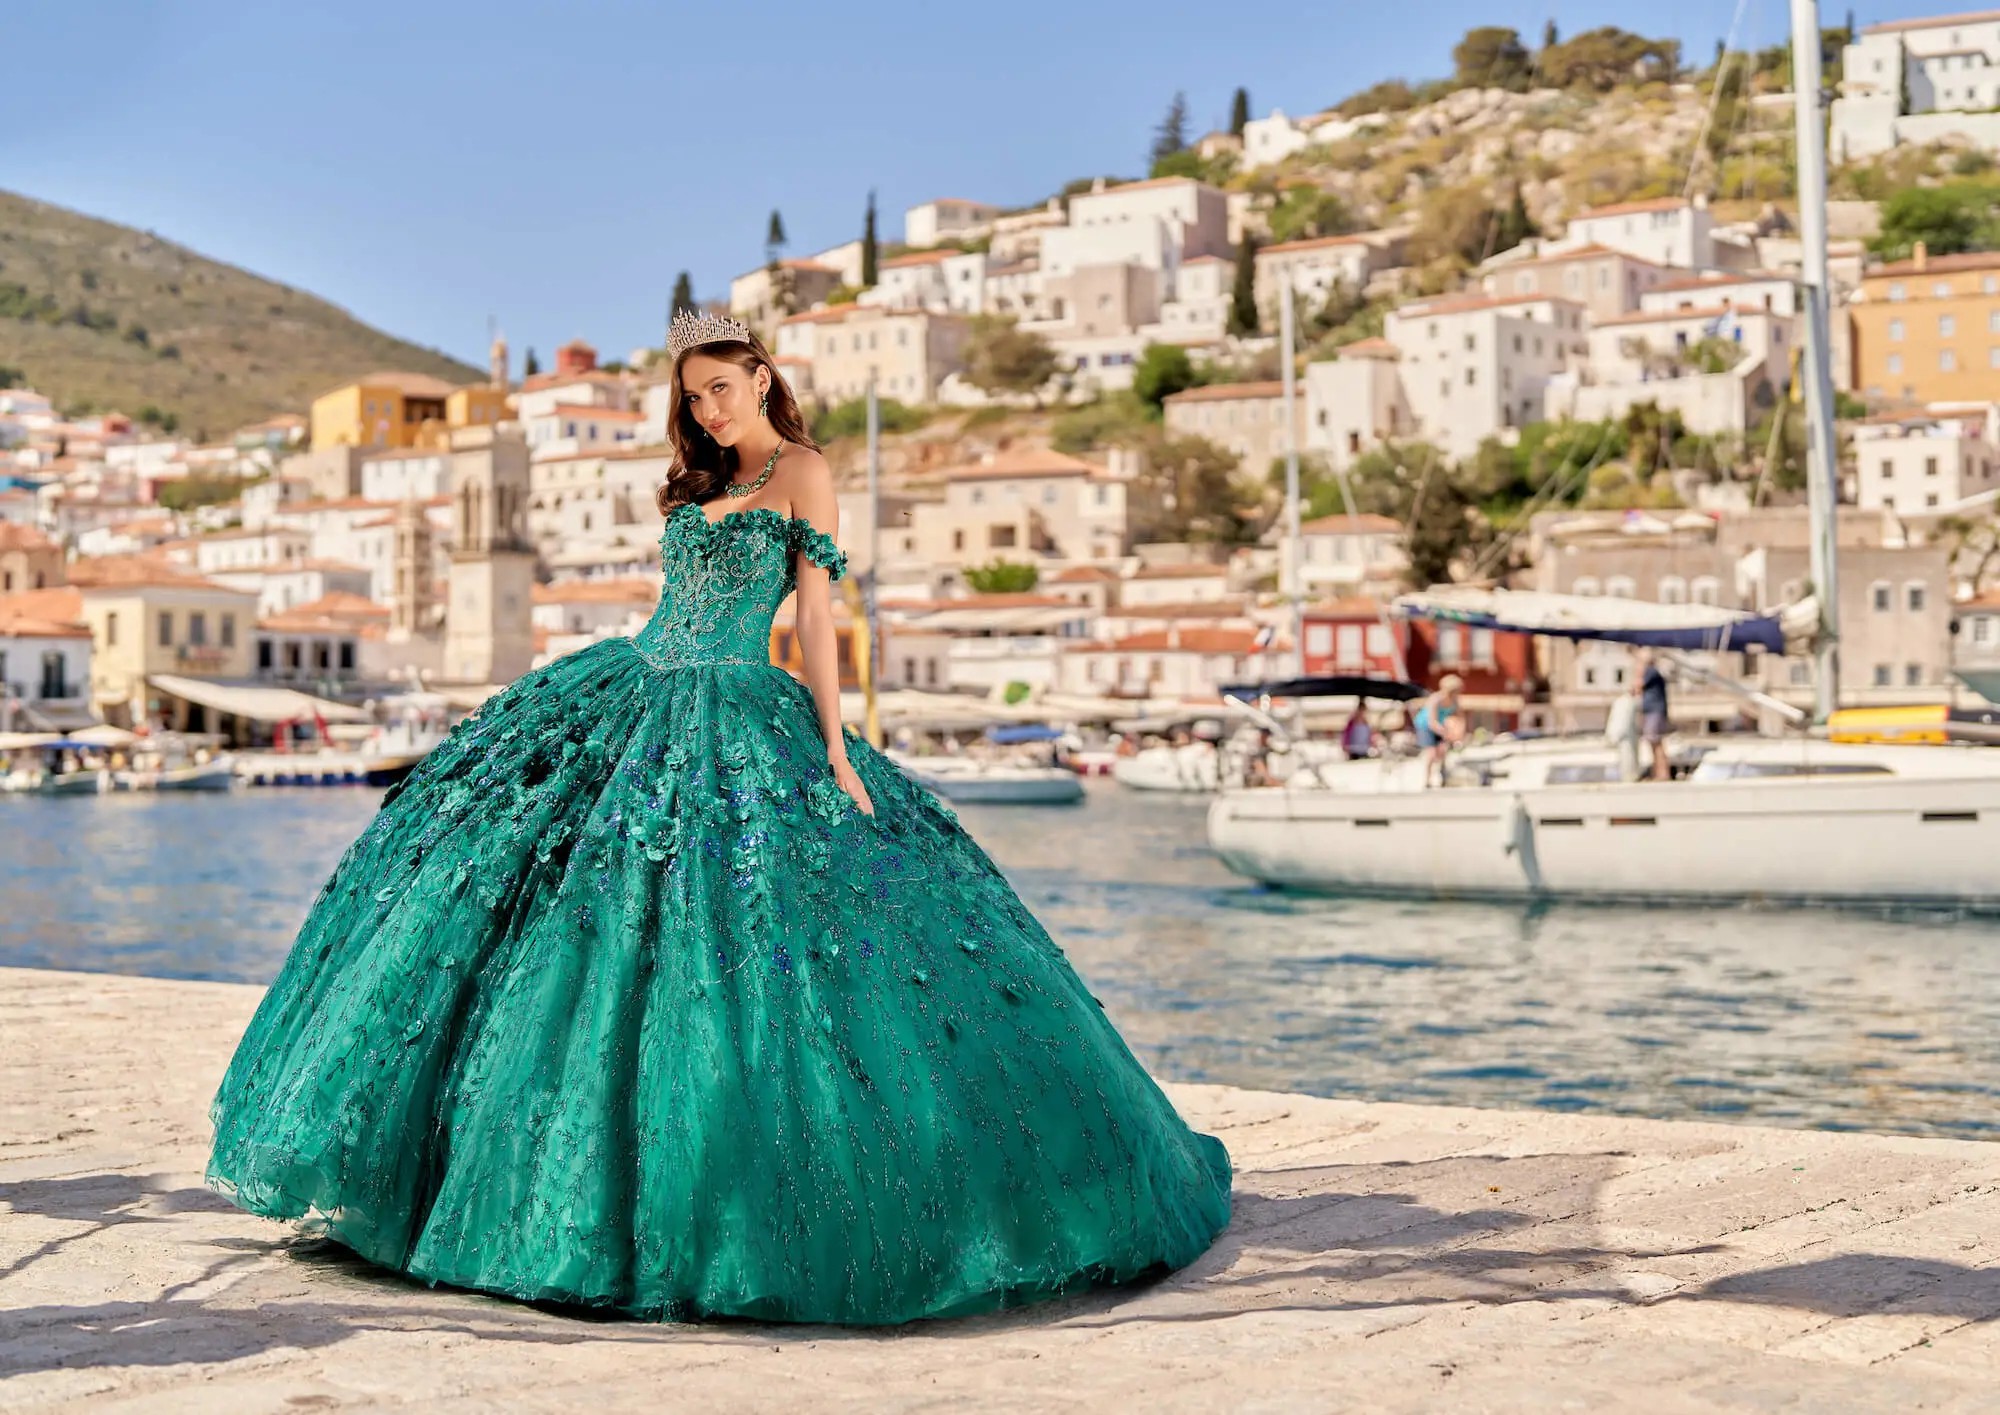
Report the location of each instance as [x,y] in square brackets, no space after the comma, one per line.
[724,581]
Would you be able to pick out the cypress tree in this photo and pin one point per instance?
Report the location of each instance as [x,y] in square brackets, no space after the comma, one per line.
[774,235]
[1243,299]
[530,366]
[683,294]
[870,251]
[1239,111]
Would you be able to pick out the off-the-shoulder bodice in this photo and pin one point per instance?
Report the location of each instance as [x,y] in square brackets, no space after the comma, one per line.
[725,579]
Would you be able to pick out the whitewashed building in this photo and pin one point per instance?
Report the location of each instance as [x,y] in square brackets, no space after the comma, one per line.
[1926,463]
[1912,82]
[1667,231]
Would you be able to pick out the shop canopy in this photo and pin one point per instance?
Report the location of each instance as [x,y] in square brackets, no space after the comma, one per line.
[256,704]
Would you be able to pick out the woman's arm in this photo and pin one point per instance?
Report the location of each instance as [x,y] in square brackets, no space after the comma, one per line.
[814,502]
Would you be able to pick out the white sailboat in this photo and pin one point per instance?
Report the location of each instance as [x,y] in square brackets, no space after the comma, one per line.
[1789,819]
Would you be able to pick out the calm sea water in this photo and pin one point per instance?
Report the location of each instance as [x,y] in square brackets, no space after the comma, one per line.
[1877,1021]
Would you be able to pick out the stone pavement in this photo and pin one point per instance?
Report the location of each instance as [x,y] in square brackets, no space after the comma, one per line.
[1383,1258]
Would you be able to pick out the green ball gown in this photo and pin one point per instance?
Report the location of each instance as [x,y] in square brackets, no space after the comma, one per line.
[621,1001]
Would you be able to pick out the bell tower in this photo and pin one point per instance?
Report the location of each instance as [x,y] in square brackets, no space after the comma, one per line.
[489,637]
[412,602]
[497,360]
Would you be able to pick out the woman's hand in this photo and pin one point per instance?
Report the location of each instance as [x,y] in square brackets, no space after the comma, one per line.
[849,780]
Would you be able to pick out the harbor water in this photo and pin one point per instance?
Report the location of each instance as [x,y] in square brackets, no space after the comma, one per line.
[1884,1020]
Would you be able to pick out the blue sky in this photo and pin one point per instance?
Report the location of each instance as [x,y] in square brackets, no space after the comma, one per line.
[429,163]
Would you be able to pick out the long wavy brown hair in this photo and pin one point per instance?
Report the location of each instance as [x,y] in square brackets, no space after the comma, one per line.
[701,467]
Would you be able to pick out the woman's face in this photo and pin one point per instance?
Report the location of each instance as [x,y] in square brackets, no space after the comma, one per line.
[721,397]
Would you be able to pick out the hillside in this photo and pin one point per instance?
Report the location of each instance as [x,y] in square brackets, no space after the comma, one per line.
[99,316]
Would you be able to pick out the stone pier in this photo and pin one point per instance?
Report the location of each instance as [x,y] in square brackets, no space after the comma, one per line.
[1382,1258]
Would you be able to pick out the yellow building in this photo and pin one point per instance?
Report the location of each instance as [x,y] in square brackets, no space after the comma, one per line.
[402,410]
[1927,329]
[149,617]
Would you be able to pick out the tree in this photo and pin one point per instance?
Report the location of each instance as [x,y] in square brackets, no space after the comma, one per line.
[683,298]
[530,366]
[1608,57]
[871,253]
[1189,490]
[1001,357]
[1551,37]
[1171,136]
[1162,371]
[1953,218]
[1002,577]
[1239,111]
[1388,96]
[774,236]
[1516,225]
[1243,318]
[1305,213]
[1492,56]
[1461,223]
[11,377]
[1975,540]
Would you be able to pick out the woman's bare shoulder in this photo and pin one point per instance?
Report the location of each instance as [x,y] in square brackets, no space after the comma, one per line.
[805,479]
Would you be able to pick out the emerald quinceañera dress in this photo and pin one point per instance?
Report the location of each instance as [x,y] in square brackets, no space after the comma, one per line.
[621,1001]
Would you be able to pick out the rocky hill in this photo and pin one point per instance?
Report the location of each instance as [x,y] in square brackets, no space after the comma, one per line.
[100,316]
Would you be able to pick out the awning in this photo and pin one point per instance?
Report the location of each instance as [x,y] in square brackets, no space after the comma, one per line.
[1693,628]
[256,704]
[1336,686]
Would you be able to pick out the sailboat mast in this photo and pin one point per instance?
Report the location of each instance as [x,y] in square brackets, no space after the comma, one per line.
[1822,453]
[1287,337]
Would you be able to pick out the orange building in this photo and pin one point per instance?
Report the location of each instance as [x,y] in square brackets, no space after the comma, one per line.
[1927,329]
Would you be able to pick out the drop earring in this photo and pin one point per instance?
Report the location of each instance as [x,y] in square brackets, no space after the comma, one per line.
[764,404]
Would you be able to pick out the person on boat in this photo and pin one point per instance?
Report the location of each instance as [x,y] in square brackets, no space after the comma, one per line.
[1357,738]
[1439,726]
[1621,730]
[1653,724]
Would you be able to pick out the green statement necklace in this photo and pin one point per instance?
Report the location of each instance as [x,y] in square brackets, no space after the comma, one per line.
[749,487]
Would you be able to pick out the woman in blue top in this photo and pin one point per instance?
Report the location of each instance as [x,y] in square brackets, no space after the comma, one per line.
[1438,726]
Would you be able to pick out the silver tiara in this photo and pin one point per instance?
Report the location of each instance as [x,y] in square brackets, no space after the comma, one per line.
[689,330]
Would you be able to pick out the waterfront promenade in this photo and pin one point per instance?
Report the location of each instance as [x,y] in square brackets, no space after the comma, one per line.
[1383,1257]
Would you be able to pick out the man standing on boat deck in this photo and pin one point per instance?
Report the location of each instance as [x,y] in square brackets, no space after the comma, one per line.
[1653,711]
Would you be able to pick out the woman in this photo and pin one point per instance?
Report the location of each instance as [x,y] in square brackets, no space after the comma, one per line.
[1439,727]
[653,990]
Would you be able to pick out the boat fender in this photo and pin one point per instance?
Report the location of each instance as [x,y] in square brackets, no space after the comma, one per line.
[1516,827]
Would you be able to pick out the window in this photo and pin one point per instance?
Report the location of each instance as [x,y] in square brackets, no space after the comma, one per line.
[1888,470]
[1881,675]
[111,629]
[1621,587]
[1348,652]
[166,629]
[1913,675]
[1708,590]
[1930,466]
[1941,289]
[1982,628]
[1673,590]
[347,655]
[1481,648]
[1895,363]
[1880,594]
[1471,377]
[1947,361]
[1801,674]
[1913,596]
[999,536]
[1448,645]
[958,540]
[197,628]
[1896,329]
[1585,585]
[263,655]
[1319,638]
[1896,291]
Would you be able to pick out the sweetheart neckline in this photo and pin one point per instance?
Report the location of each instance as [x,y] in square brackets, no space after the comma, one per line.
[713,522]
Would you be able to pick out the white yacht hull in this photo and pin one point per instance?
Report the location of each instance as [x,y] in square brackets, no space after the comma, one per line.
[1839,839]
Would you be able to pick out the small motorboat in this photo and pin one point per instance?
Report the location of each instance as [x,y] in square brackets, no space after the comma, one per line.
[971,779]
